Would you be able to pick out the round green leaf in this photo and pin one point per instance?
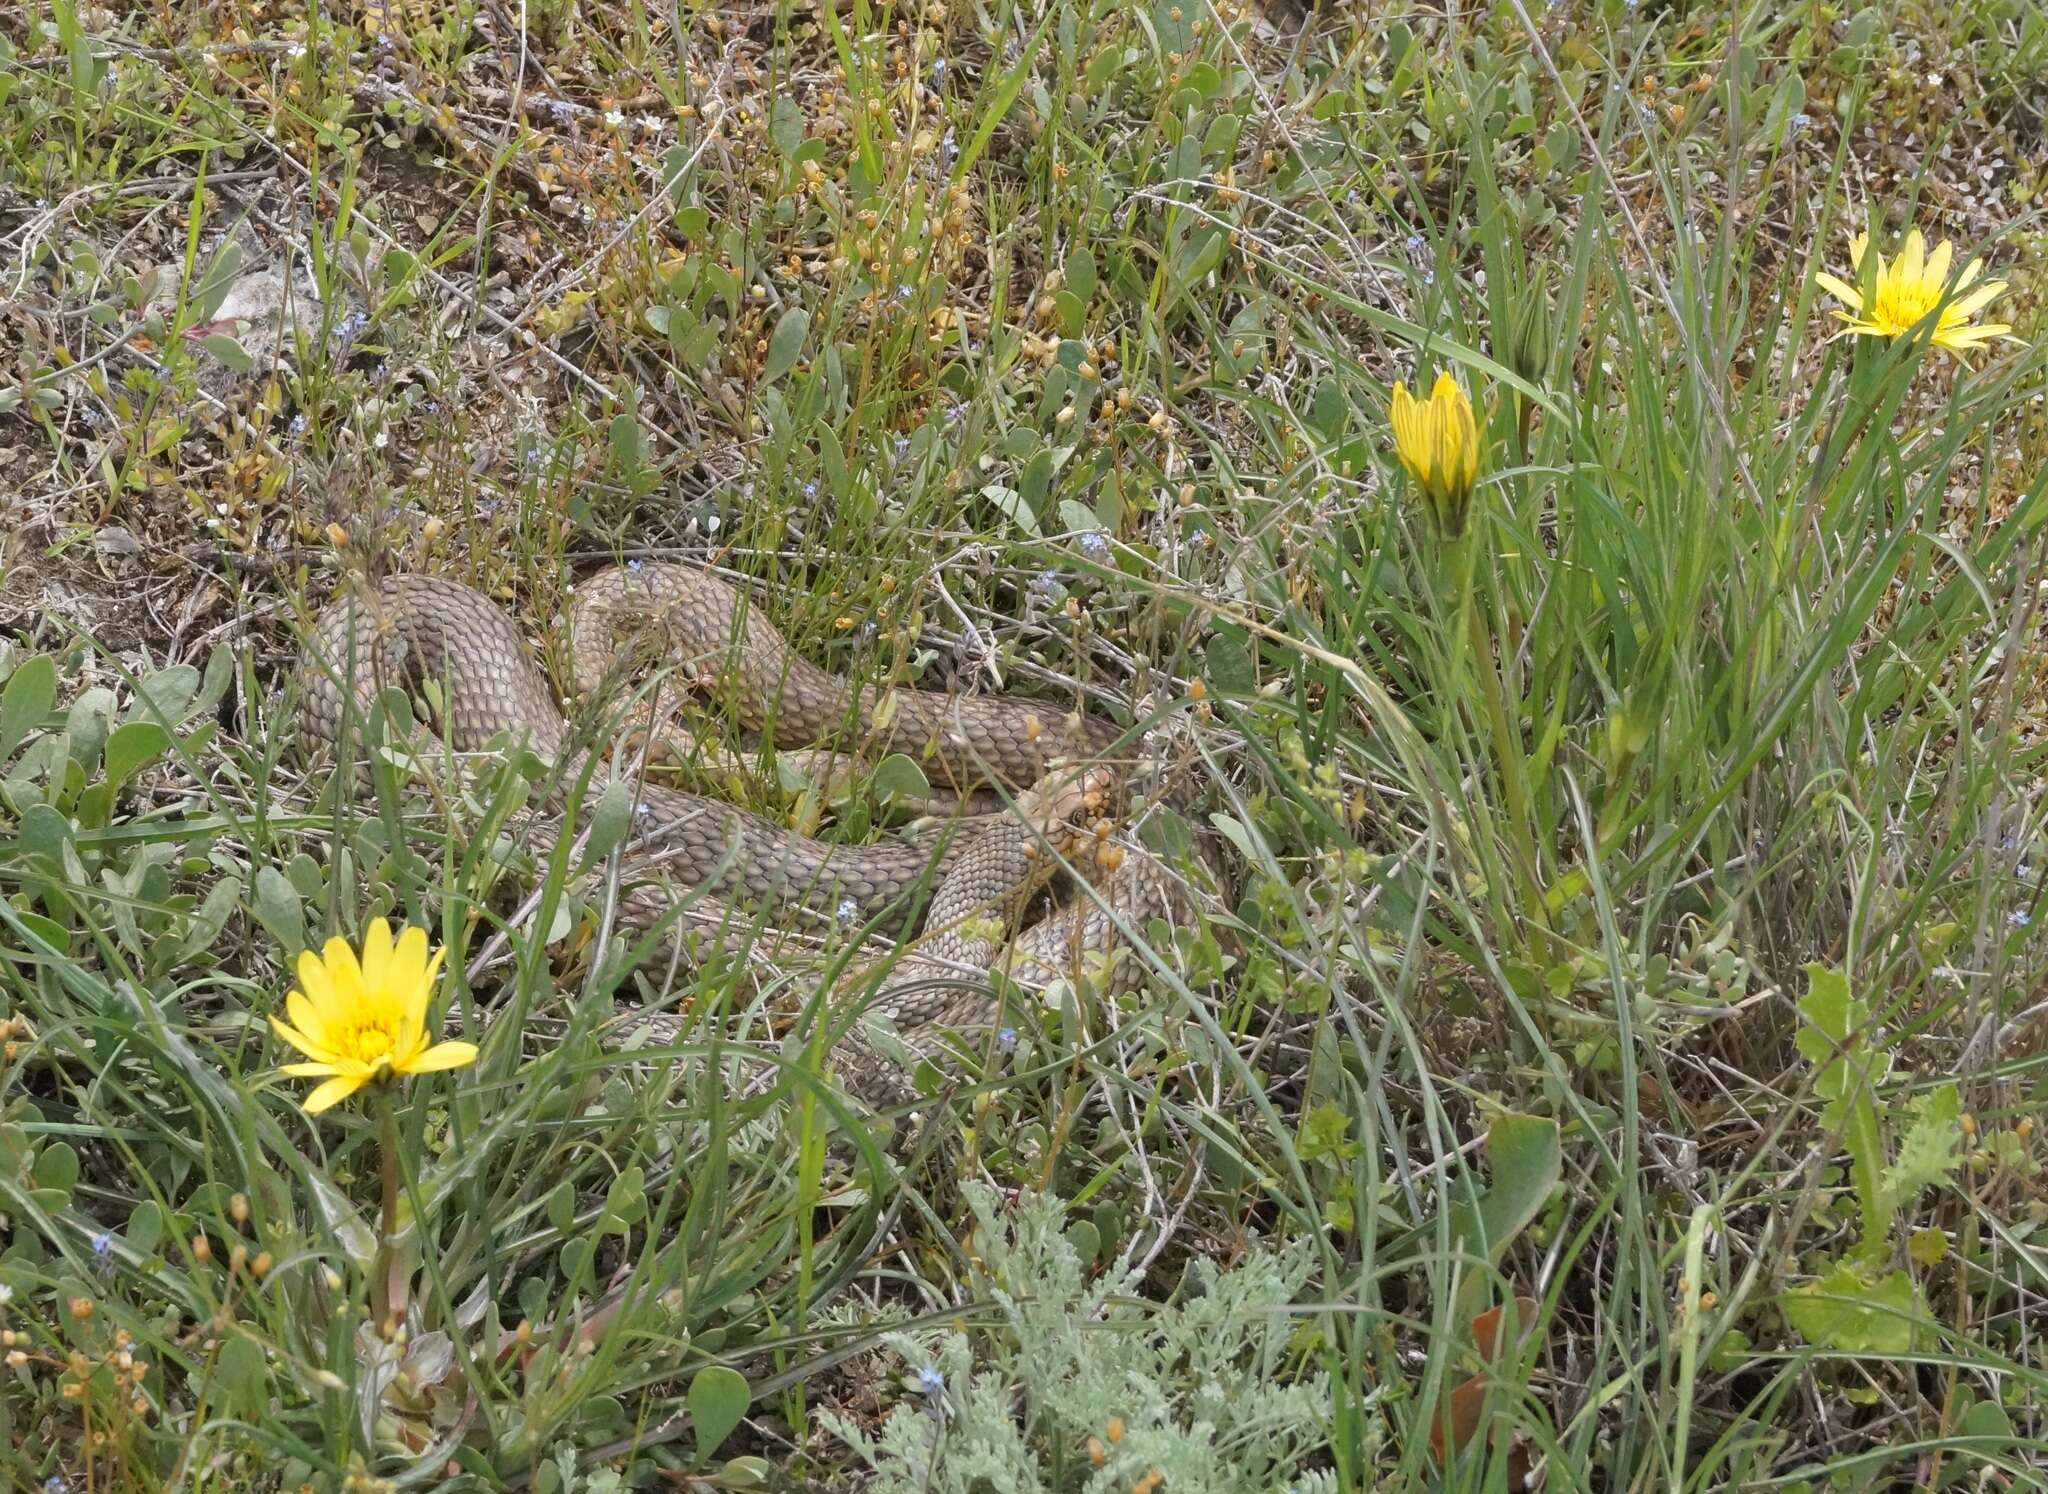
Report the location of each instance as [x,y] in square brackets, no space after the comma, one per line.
[719,1397]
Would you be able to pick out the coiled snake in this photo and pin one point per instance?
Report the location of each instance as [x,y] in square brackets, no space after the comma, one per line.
[407,630]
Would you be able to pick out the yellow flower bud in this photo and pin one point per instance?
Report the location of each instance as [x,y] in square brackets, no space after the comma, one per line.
[1438,442]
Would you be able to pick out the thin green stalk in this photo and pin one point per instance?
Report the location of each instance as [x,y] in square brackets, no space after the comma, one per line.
[1472,646]
[387,1275]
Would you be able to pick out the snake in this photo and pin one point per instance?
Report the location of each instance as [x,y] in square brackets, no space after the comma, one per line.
[412,630]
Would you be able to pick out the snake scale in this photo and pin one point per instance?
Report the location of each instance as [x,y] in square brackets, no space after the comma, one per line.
[406,630]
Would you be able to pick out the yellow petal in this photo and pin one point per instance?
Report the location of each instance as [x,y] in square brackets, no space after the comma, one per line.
[1976,300]
[1840,289]
[1407,418]
[306,1045]
[449,1055]
[312,1020]
[314,982]
[377,954]
[1857,248]
[1938,262]
[309,1070]
[344,975]
[1969,276]
[332,1093]
[1970,337]
[1446,388]
[1913,258]
[406,975]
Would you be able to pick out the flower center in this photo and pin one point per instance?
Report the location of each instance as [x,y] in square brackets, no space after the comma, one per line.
[372,1039]
[1902,303]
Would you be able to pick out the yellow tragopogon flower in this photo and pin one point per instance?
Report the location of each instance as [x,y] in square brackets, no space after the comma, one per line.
[358,1023]
[1907,288]
[1438,442]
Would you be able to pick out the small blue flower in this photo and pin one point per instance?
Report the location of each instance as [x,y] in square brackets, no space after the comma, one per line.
[811,488]
[298,425]
[931,1381]
[634,565]
[643,811]
[103,1250]
[1095,545]
[561,108]
[351,324]
[1417,243]
[1199,537]
[939,74]
[2024,872]
[903,293]
[849,910]
[2019,918]
[55,1484]
[902,447]
[1800,121]
[1006,1039]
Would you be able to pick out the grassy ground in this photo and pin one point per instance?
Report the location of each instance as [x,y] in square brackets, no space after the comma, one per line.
[1638,902]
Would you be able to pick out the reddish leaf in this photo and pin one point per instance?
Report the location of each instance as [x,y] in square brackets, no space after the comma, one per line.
[1486,1327]
[1466,1402]
[1462,1408]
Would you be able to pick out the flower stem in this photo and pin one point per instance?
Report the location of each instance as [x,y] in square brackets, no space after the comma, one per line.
[1471,632]
[387,1272]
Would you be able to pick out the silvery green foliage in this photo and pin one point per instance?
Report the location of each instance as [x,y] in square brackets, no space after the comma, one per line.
[1206,1390]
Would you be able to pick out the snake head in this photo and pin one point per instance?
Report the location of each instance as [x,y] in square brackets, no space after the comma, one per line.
[1066,793]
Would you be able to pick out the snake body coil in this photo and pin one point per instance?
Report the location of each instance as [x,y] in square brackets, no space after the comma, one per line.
[411,630]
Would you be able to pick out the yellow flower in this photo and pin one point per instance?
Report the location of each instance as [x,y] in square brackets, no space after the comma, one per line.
[359,1023]
[1906,289]
[1438,442]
